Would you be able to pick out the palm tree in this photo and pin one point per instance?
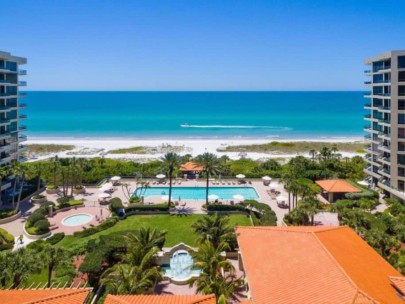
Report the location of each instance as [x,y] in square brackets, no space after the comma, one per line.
[16,171]
[217,273]
[134,276]
[22,264]
[22,180]
[171,162]
[4,172]
[5,274]
[54,166]
[54,257]
[311,207]
[213,228]
[211,165]
[145,239]
[313,154]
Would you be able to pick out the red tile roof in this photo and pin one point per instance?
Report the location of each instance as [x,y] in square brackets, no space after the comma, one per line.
[336,185]
[160,299]
[191,166]
[399,283]
[44,296]
[314,265]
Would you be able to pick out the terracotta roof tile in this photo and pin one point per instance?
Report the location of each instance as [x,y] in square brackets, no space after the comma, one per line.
[337,185]
[313,265]
[160,299]
[399,283]
[44,296]
[191,166]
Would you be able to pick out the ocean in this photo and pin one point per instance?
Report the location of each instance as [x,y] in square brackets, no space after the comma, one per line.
[190,115]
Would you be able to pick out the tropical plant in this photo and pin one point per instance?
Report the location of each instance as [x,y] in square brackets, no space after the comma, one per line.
[23,263]
[171,162]
[4,172]
[217,273]
[211,165]
[54,257]
[213,228]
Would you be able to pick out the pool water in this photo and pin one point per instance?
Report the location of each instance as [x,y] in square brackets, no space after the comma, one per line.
[180,266]
[77,219]
[198,193]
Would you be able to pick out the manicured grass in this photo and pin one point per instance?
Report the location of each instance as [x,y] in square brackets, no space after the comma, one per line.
[37,278]
[178,227]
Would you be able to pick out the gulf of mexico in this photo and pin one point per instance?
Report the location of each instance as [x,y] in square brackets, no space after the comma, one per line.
[273,115]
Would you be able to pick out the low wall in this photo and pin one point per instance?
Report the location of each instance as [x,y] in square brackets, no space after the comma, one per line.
[68,208]
[11,218]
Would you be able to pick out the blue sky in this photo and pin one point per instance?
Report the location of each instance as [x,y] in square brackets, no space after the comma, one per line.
[200,45]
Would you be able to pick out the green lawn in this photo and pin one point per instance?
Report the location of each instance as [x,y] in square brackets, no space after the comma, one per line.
[178,228]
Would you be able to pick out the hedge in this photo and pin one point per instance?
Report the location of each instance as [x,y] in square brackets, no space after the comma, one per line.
[4,213]
[64,199]
[147,208]
[108,223]
[267,216]
[56,238]
[36,222]
[365,192]
[218,207]
[69,204]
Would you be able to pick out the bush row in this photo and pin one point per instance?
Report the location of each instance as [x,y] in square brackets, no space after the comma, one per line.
[218,207]
[146,208]
[69,204]
[365,192]
[56,238]
[108,223]
[37,223]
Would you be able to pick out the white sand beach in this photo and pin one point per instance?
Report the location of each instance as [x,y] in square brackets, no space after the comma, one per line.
[100,147]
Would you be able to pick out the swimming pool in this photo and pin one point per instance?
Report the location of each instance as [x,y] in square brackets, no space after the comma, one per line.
[77,219]
[198,193]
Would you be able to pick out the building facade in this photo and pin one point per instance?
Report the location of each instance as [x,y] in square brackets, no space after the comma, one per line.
[10,111]
[386,123]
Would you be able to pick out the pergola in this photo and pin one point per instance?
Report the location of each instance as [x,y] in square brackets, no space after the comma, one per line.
[190,169]
[336,188]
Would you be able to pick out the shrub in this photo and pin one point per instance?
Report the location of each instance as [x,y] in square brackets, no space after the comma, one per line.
[9,238]
[266,217]
[6,246]
[365,192]
[115,204]
[64,199]
[108,223]
[4,213]
[38,196]
[218,207]
[147,208]
[69,204]
[36,216]
[42,226]
[135,199]
[37,246]
[51,187]
[56,238]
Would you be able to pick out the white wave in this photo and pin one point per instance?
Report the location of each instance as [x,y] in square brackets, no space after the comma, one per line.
[234,127]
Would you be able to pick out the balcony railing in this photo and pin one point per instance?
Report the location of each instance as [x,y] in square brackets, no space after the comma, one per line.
[22,94]
[22,138]
[382,81]
[367,137]
[367,105]
[381,68]
[382,94]
[22,72]
[385,121]
[22,105]
[22,83]
[22,128]
[367,116]
[384,108]
[367,82]
[22,116]
[368,94]
[367,71]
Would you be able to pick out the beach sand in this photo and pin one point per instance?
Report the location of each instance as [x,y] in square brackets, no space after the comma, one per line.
[99,147]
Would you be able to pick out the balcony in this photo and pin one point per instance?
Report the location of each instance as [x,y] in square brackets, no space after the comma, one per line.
[367,128]
[22,94]
[22,72]
[382,81]
[387,109]
[382,94]
[386,160]
[22,105]
[367,82]
[22,83]
[368,149]
[385,184]
[385,148]
[367,137]
[368,94]
[4,109]
[384,122]
[385,136]
[22,138]
[367,106]
[22,128]
[369,170]
[367,117]
[5,135]
[385,172]
[22,116]
[4,121]
[381,68]
[367,71]
[5,159]
[22,148]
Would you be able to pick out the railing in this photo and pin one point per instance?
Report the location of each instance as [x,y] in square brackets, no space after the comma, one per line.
[22,72]
[22,83]
[4,121]
[367,105]
[22,116]
[367,116]
[382,81]
[367,136]
[22,128]
[22,94]
[22,105]
[384,108]
[367,127]
[367,82]
[22,138]
[381,68]
[367,71]
[382,94]
[386,121]
[367,94]
[5,108]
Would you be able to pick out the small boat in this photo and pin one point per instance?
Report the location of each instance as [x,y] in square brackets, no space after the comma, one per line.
[185,125]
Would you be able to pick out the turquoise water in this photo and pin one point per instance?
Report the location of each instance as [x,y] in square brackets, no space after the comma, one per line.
[198,193]
[282,115]
[77,219]
[180,266]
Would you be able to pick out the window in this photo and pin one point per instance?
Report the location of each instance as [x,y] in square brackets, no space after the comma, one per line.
[401,76]
[401,132]
[401,171]
[401,119]
[401,185]
[401,159]
[401,90]
[401,104]
[401,62]
[401,146]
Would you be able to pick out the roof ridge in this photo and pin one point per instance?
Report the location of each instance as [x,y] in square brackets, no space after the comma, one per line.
[73,291]
[396,278]
[286,229]
[208,297]
[117,299]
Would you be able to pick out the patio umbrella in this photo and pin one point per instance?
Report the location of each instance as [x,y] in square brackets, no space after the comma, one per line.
[238,197]
[115,178]
[165,198]
[104,195]
[266,178]
[213,197]
[103,189]
[240,176]
[160,176]
[108,186]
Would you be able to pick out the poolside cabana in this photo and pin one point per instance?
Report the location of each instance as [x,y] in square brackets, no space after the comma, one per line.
[334,189]
[191,170]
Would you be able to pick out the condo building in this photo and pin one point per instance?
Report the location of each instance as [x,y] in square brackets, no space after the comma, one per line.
[386,123]
[10,107]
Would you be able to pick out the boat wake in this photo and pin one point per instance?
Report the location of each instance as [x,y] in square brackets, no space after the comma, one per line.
[235,127]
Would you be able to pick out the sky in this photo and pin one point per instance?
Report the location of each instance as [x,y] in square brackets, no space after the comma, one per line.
[199,45]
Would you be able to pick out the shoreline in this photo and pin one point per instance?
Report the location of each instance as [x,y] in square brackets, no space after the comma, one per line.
[98,147]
